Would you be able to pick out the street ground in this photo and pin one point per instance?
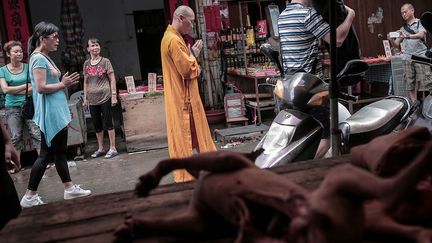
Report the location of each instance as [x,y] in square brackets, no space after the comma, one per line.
[112,175]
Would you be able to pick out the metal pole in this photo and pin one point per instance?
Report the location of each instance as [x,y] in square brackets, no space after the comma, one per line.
[205,71]
[334,86]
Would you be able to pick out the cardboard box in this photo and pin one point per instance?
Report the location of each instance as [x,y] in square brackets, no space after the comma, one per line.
[144,123]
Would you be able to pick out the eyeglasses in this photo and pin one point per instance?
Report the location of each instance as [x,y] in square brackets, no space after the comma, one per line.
[54,36]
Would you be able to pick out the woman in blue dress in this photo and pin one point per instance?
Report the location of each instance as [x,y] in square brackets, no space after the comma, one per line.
[52,114]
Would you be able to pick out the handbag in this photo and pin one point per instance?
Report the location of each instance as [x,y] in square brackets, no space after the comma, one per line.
[27,108]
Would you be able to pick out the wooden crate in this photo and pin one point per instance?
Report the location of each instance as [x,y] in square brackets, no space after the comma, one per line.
[144,123]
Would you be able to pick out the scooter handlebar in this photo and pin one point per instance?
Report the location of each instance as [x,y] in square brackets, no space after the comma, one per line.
[348,97]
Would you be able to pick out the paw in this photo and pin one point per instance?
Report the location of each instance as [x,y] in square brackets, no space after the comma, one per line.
[125,232]
[146,183]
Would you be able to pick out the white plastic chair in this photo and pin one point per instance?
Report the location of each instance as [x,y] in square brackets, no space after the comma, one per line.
[79,95]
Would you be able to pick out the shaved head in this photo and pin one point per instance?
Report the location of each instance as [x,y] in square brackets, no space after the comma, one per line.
[183,10]
[183,20]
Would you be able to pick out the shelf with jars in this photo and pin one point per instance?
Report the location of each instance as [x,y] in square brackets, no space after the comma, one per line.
[242,61]
[241,54]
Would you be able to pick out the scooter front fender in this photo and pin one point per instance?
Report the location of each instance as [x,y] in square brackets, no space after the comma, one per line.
[302,145]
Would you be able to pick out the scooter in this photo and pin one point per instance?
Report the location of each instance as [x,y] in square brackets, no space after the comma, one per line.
[294,135]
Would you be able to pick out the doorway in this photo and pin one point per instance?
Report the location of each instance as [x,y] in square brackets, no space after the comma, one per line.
[149,28]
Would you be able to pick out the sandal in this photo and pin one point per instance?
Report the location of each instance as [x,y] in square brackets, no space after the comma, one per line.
[97,153]
[111,154]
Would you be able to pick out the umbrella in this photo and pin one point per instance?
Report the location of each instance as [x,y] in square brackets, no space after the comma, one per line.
[73,56]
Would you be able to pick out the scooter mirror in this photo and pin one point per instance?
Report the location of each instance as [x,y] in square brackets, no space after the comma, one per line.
[273,55]
[426,21]
[353,72]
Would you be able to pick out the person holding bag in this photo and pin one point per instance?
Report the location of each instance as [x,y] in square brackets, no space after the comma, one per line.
[52,114]
[13,79]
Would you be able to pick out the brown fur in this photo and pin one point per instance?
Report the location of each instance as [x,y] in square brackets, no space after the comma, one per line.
[264,207]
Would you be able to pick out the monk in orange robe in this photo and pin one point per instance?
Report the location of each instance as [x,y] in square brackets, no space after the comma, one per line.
[187,126]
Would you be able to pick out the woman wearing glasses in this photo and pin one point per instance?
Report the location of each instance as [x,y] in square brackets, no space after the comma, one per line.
[52,114]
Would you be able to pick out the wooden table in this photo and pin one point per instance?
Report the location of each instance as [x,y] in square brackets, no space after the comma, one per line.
[93,219]
[257,105]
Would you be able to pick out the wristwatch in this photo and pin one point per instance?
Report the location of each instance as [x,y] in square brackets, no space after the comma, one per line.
[114,93]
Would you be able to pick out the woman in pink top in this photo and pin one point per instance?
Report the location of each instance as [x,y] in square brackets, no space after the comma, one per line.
[100,93]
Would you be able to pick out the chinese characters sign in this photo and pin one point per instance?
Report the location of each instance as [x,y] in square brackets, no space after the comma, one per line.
[17,27]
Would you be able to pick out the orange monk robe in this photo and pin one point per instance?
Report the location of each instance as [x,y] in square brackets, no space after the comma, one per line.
[180,74]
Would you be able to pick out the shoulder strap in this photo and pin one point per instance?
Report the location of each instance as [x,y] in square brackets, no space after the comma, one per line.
[28,80]
[408,29]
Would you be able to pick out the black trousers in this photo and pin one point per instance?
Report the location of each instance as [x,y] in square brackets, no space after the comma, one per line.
[102,115]
[9,201]
[57,154]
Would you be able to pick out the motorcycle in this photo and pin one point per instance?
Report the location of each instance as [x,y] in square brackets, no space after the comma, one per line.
[294,135]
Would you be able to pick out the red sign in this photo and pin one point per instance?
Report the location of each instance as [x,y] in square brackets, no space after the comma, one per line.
[173,4]
[262,28]
[17,27]
[212,18]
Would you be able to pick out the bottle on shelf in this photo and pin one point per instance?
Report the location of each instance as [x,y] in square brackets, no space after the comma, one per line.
[222,36]
[250,33]
[229,35]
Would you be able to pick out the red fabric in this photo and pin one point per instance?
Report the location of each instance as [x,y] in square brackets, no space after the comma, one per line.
[386,156]
[17,25]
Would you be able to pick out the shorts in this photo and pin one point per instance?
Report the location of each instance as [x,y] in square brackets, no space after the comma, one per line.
[102,116]
[417,76]
[15,123]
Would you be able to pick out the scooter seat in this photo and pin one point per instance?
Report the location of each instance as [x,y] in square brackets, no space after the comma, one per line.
[375,116]
[373,120]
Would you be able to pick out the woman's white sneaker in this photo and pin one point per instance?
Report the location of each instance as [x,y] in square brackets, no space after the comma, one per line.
[30,201]
[75,191]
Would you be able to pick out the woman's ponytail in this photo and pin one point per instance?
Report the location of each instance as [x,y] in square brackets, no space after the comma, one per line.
[42,29]
[31,45]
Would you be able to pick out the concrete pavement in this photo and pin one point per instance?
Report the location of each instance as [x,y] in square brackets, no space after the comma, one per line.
[106,175]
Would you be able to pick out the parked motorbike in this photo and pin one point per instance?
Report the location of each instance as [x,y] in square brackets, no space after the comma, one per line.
[294,135]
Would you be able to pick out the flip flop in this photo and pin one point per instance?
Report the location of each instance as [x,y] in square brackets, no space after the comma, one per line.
[111,154]
[97,153]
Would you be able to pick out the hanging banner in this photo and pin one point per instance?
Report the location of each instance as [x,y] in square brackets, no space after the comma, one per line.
[173,4]
[212,18]
[17,26]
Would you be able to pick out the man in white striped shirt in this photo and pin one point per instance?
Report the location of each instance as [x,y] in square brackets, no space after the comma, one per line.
[300,29]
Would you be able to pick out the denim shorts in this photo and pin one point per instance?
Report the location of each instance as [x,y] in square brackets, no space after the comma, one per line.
[15,123]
